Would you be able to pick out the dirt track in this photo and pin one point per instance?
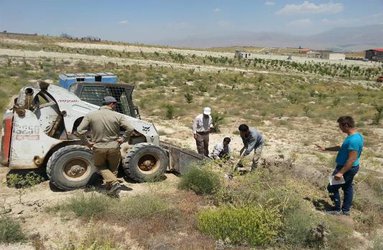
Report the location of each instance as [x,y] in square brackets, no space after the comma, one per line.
[145,49]
[288,142]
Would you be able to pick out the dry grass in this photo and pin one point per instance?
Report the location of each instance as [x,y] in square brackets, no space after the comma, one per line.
[10,230]
[289,108]
[148,219]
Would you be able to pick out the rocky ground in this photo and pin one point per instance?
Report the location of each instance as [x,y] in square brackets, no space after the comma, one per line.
[282,144]
[293,143]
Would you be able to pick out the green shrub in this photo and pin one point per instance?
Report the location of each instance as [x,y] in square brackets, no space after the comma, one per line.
[247,192]
[293,98]
[19,180]
[201,181]
[282,197]
[188,97]
[297,225]
[378,115]
[257,188]
[10,230]
[202,88]
[217,121]
[169,111]
[252,225]
[22,181]
[338,232]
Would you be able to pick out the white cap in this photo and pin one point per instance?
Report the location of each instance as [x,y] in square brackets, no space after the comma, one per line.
[206,111]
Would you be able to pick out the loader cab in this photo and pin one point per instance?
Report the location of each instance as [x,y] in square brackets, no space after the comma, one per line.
[93,88]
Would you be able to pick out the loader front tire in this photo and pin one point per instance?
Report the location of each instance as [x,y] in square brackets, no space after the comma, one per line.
[145,162]
[71,167]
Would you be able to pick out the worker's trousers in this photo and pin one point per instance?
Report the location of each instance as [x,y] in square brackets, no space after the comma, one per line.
[347,187]
[256,156]
[202,143]
[107,160]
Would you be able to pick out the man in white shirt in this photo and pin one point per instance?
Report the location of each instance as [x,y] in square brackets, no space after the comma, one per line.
[201,129]
[222,150]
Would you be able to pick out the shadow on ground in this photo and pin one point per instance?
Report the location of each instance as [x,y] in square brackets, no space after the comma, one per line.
[320,204]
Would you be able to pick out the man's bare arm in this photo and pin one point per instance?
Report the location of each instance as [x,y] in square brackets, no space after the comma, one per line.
[334,148]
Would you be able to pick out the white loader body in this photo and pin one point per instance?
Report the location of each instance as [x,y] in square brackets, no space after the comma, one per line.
[38,114]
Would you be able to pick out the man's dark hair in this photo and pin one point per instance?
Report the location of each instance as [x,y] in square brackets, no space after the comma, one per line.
[227,139]
[243,128]
[346,121]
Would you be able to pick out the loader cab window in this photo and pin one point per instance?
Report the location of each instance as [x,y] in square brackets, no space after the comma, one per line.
[119,93]
[125,104]
[93,94]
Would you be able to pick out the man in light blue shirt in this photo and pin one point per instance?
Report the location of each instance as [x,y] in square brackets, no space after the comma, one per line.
[347,162]
[252,141]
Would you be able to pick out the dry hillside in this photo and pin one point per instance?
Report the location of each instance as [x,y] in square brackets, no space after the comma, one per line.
[294,104]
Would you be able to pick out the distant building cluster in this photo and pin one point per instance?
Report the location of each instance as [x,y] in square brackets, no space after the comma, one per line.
[326,54]
[370,55]
[374,54]
[322,54]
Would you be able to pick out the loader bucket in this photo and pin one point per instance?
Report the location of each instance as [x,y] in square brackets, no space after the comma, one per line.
[180,160]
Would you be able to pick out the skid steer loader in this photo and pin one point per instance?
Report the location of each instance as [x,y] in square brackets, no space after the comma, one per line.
[39,132]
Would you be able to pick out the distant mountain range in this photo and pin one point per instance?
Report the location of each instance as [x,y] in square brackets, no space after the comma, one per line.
[338,39]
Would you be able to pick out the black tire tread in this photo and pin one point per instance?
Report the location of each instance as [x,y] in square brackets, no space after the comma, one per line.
[56,155]
[131,173]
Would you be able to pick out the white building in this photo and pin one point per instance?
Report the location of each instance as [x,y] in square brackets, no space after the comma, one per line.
[242,54]
[329,55]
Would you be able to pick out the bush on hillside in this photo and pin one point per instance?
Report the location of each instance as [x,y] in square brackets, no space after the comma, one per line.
[201,181]
[250,225]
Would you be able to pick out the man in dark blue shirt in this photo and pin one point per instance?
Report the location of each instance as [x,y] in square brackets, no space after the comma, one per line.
[347,164]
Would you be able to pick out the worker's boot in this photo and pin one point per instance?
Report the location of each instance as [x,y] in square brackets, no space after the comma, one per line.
[114,190]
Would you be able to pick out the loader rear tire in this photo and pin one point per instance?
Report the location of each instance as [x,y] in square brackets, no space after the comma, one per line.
[71,167]
[145,162]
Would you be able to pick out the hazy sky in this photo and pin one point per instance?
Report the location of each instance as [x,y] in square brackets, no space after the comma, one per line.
[150,21]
